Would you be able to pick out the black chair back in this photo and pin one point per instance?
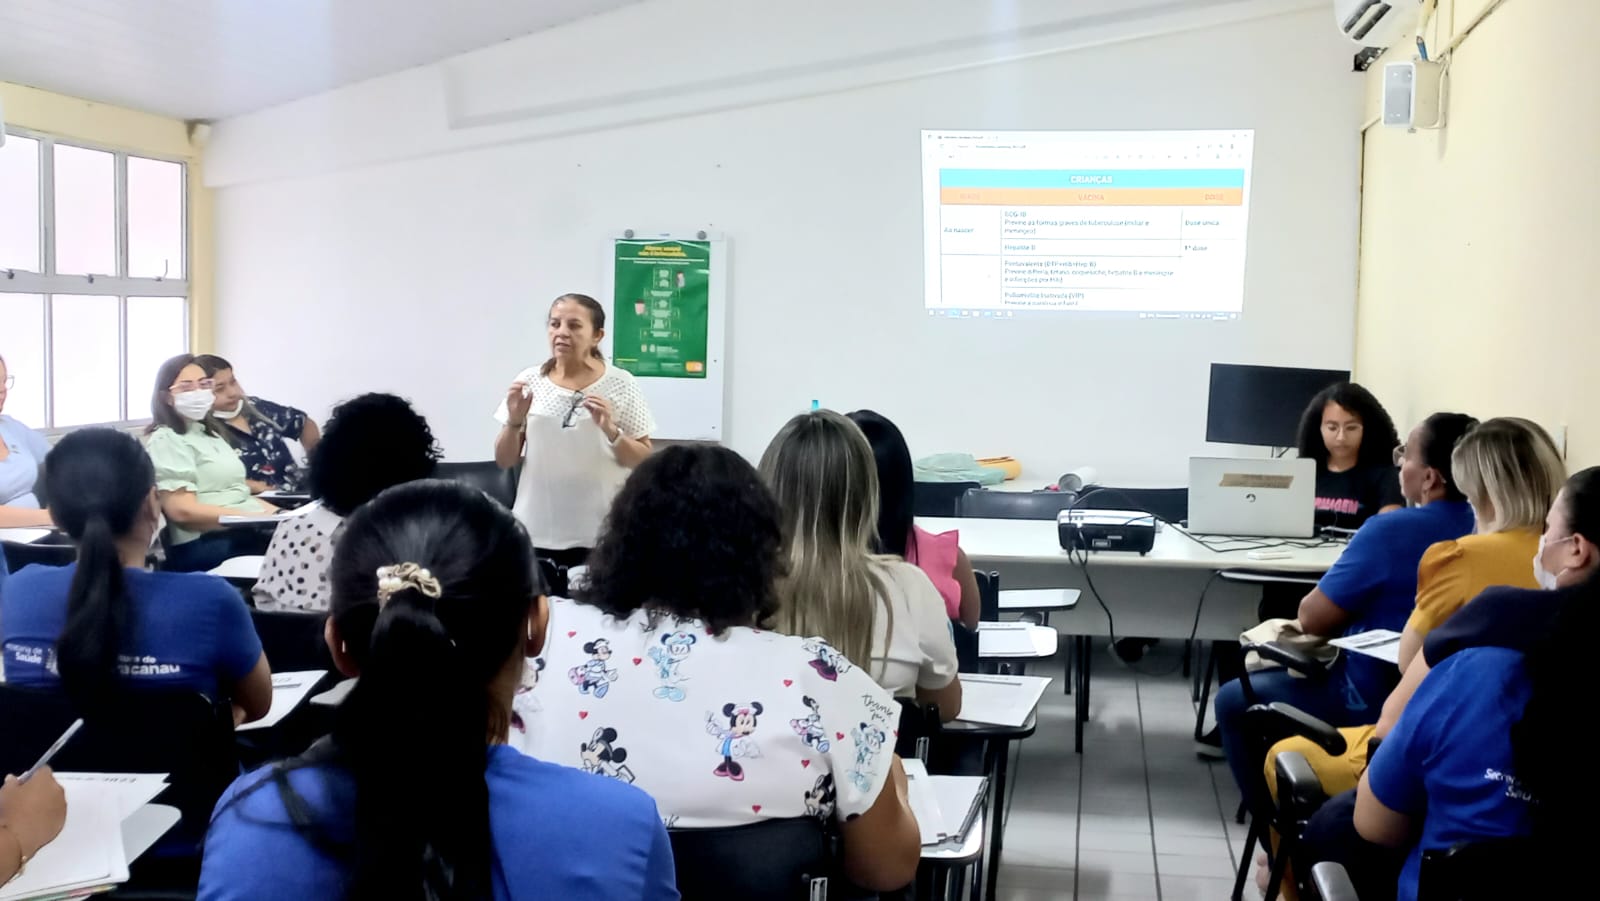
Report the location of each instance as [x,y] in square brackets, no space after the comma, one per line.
[774,860]
[1487,870]
[981,503]
[1170,504]
[966,640]
[919,726]
[486,476]
[938,498]
[180,733]
[19,555]
[293,642]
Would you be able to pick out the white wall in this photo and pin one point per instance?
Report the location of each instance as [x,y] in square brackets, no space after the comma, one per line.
[357,253]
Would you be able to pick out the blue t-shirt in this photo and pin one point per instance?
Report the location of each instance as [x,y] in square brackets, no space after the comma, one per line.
[1375,581]
[1449,760]
[557,832]
[186,630]
[20,470]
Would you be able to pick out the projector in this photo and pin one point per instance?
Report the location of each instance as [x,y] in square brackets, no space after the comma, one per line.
[1106,530]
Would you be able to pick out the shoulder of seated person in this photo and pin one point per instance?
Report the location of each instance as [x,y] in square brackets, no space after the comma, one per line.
[572,784]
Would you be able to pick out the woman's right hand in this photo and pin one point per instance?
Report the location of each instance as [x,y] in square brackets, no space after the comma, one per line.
[518,403]
[33,811]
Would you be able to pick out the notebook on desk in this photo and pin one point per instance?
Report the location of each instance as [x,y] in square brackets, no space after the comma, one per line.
[87,856]
[1006,639]
[945,806]
[1000,700]
[288,690]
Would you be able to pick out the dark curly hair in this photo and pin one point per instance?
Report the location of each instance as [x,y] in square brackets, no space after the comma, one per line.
[1378,435]
[371,442]
[694,533]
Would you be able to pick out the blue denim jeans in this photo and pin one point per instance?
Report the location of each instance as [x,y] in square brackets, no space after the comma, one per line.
[1331,700]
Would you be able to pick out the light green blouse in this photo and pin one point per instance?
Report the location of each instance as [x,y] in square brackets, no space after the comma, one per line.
[202,463]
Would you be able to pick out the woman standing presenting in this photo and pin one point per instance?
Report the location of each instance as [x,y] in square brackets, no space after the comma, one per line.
[578,425]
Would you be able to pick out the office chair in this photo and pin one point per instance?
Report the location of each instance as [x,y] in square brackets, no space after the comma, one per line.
[183,734]
[1169,504]
[486,476]
[19,555]
[1489,870]
[919,726]
[293,642]
[937,498]
[1299,791]
[981,503]
[774,860]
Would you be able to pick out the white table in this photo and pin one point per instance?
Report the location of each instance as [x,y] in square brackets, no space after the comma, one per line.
[23,536]
[245,569]
[1153,595]
[1181,589]
[1042,641]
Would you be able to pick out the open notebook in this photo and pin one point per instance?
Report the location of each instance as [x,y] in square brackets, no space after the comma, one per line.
[945,806]
[89,855]
[1000,700]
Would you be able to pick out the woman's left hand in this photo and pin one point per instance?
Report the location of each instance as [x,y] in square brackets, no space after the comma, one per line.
[600,411]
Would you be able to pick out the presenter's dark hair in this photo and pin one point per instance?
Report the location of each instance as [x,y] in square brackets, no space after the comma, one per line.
[1439,434]
[415,731]
[694,533]
[597,318]
[1378,435]
[99,482]
[896,481]
[371,442]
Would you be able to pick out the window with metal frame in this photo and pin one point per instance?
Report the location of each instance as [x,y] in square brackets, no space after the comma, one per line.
[94,278]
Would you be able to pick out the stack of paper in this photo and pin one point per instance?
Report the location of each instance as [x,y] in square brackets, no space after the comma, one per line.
[1383,644]
[288,690]
[1006,640]
[1000,700]
[945,806]
[89,855]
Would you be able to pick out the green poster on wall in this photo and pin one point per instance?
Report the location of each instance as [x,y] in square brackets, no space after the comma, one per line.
[661,308]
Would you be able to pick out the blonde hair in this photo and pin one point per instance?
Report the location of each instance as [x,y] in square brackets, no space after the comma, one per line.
[822,472]
[1510,469]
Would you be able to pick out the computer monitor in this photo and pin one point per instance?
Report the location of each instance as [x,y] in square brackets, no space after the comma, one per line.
[1262,405]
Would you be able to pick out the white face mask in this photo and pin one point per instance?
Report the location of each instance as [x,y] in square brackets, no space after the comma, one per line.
[193,405]
[1547,580]
[230,414]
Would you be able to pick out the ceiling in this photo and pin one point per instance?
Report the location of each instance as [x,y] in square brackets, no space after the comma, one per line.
[210,59]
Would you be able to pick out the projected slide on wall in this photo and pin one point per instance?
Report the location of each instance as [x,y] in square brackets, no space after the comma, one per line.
[1143,224]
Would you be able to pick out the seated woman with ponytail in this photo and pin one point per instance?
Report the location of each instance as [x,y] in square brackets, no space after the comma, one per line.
[436,601]
[105,622]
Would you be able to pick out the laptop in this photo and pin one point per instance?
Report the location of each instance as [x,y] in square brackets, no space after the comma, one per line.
[1256,498]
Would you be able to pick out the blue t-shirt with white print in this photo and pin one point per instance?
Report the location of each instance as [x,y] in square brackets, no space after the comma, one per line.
[1449,761]
[186,630]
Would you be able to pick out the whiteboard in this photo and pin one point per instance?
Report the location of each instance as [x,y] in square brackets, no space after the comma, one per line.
[684,409]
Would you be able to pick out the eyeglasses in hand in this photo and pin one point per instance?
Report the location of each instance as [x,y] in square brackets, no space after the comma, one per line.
[571,420]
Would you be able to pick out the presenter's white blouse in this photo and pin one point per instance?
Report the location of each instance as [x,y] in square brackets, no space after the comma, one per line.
[570,473]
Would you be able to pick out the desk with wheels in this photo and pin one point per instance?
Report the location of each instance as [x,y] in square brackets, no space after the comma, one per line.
[1154,595]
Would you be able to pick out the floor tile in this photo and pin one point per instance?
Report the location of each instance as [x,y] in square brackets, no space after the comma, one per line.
[1212,866]
[1116,861]
[1036,877]
[1189,888]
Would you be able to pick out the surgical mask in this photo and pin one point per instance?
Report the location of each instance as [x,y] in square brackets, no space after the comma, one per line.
[230,414]
[1546,579]
[194,405]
